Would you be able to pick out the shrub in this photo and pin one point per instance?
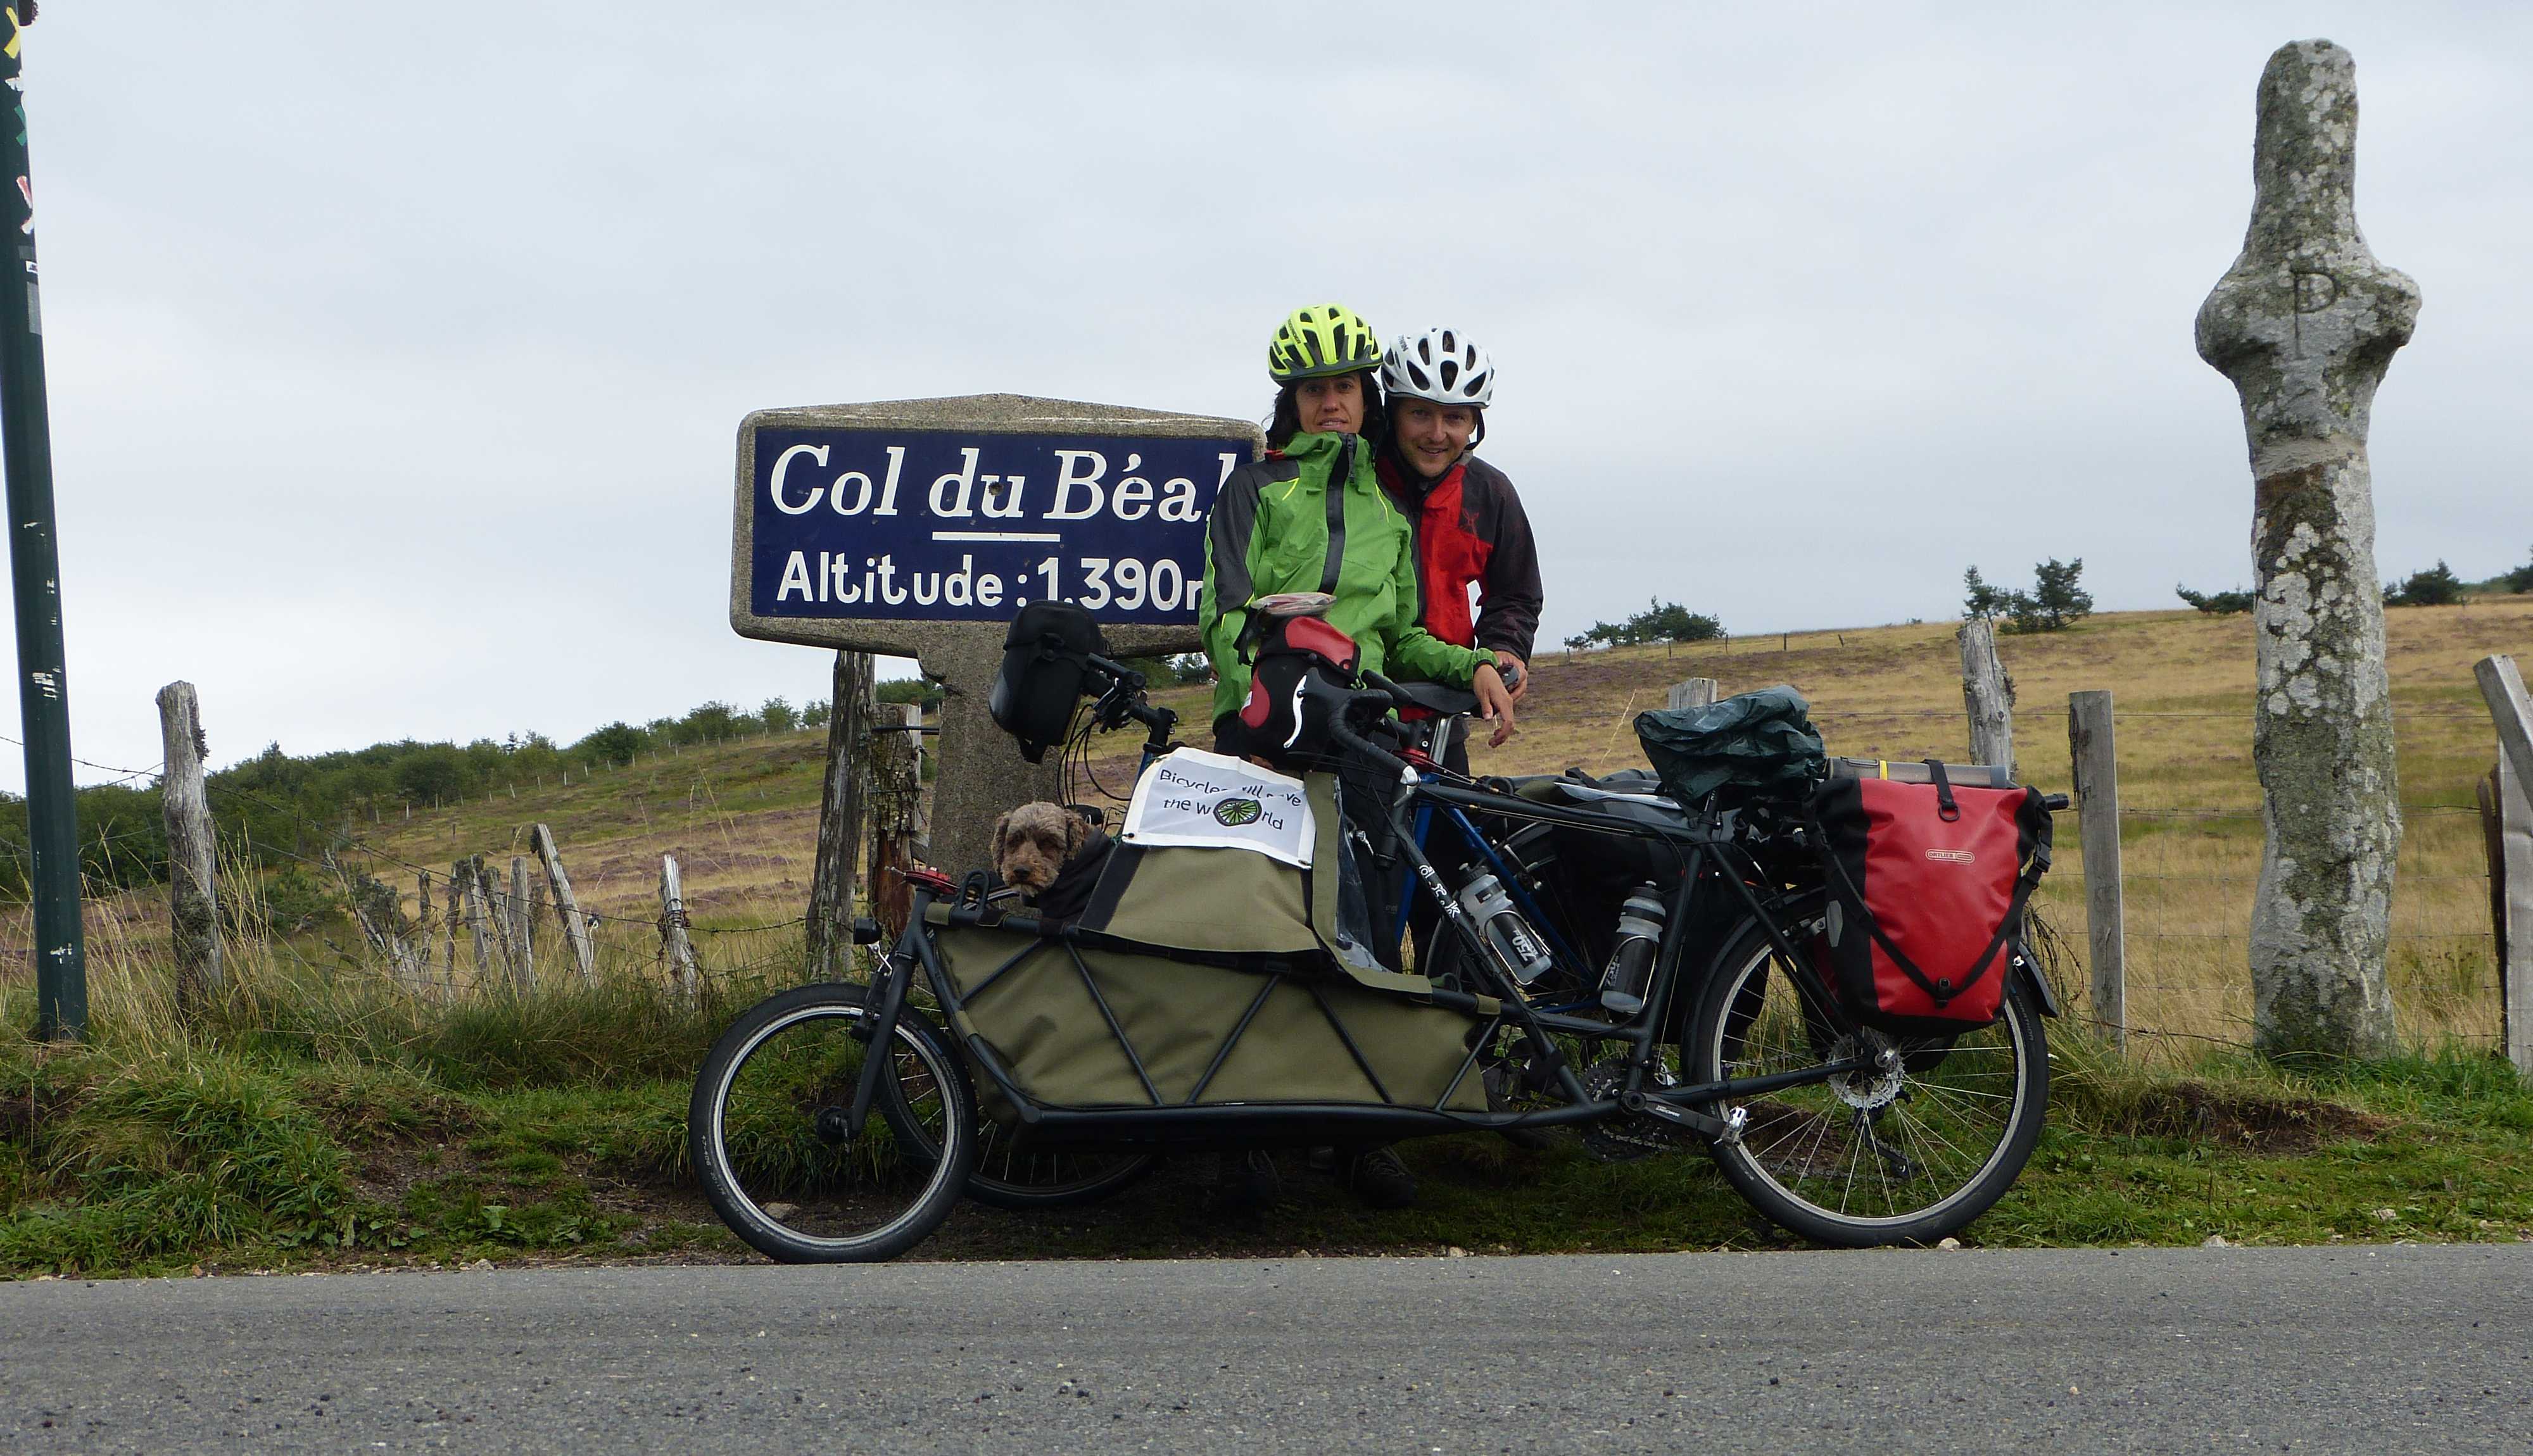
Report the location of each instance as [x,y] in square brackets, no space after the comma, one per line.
[1660,621]
[2519,580]
[2436,587]
[910,690]
[2216,603]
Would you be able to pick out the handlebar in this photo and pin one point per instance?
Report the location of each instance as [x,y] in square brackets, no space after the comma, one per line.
[1342,734]
[2055,803]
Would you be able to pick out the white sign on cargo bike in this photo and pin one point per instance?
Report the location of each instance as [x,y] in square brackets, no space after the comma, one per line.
[1194,799]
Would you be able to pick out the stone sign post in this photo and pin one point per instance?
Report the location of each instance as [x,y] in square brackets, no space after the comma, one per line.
[2305,323]
[918,526]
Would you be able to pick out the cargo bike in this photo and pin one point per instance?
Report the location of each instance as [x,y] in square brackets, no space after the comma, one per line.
[1657,970]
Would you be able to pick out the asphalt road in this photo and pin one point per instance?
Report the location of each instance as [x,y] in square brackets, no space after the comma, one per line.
[2377,1350]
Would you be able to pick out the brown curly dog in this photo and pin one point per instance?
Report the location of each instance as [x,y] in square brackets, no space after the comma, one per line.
[1033,842]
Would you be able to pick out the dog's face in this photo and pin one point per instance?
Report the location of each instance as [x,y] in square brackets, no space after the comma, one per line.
[1033,841]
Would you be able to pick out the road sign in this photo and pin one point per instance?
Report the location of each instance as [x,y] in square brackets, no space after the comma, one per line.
[918,526]
[939,525]
[872,526]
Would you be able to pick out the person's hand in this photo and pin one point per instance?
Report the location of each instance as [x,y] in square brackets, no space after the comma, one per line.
[1494,702]
[1516,674]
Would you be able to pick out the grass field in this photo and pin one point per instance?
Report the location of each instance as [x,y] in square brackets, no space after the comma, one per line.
[319,1117]
[743,817]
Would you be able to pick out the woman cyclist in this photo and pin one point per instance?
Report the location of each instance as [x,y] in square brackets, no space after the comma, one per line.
[1310,517]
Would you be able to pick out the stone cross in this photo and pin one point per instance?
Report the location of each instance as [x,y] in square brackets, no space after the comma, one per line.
[2305,323]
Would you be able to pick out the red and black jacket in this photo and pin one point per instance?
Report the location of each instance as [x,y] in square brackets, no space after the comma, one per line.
[1470,528]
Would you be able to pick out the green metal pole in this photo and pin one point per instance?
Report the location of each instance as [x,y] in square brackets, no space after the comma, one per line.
[34,568]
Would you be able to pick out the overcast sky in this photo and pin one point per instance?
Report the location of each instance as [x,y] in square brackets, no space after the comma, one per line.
[397,353]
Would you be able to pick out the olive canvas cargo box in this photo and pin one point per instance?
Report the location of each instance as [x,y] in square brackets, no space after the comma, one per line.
[1201,977]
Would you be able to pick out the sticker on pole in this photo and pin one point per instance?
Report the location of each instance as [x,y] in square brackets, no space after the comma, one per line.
[1194,799]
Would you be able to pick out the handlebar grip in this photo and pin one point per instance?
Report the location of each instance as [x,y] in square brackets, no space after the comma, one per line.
[1352,741]
[2055,803]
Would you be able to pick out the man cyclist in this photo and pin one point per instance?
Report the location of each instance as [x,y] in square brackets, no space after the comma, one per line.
[1470,530]
[1470,525]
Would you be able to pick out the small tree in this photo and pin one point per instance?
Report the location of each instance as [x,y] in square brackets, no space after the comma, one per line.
[779,716]
[1979,599]
[2436,587]
[2055,602]
[2057,599]
[2216,603]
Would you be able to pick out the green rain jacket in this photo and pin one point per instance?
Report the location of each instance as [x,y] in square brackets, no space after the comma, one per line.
[1274,527]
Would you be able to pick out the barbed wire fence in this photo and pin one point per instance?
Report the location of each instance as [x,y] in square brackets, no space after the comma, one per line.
[466,929]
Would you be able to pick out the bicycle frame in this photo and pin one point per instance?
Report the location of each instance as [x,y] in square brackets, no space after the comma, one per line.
[1705,848]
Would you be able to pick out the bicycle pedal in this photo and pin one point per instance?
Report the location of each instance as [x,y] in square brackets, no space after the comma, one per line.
[1736,1120]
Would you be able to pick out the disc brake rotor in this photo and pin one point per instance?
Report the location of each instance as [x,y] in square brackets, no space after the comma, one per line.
[1875,1086]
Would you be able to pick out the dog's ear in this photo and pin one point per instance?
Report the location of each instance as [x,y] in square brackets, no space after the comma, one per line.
[1076,832]
[1002,825]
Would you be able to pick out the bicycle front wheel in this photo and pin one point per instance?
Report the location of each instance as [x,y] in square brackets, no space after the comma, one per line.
[768,1129]
[1901,1156]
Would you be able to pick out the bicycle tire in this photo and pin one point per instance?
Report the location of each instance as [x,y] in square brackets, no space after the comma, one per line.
[1020,1180]
[759,1134]
[1948,1132]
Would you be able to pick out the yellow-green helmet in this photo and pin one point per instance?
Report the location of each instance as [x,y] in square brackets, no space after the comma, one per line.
[1318,342]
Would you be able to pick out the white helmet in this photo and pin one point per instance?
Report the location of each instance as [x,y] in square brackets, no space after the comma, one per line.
[1440,365]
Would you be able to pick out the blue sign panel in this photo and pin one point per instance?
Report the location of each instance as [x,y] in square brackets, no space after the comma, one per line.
[915,525]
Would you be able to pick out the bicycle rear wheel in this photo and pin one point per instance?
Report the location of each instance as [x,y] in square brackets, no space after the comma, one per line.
[766,1129]
[1013,1175]
[1904,1156]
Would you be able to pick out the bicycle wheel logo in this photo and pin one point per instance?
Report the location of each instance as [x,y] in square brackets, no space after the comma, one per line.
[1234,812]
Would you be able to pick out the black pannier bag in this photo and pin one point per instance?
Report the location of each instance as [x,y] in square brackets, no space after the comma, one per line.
[1756,745]
[1045,656]
[1927,882]
[1301,668]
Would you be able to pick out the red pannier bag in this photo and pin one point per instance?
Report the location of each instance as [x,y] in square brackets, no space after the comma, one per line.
[1927,888]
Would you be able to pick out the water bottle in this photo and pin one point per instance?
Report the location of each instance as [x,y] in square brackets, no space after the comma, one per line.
[1640,929]
[1487,903]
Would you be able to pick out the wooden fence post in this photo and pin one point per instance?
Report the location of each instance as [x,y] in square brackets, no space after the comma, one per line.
[479,905]
[1988,696]
[840,817]
[193,897]
[2509,708]
[1696,692]
[575,926]
[675,947]
[522,924]
[2090,747]
[2508,805]
[896,790]
[456,906]
[918,824]
[422,928]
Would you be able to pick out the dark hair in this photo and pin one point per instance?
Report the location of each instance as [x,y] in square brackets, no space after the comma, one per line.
[1285,420]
